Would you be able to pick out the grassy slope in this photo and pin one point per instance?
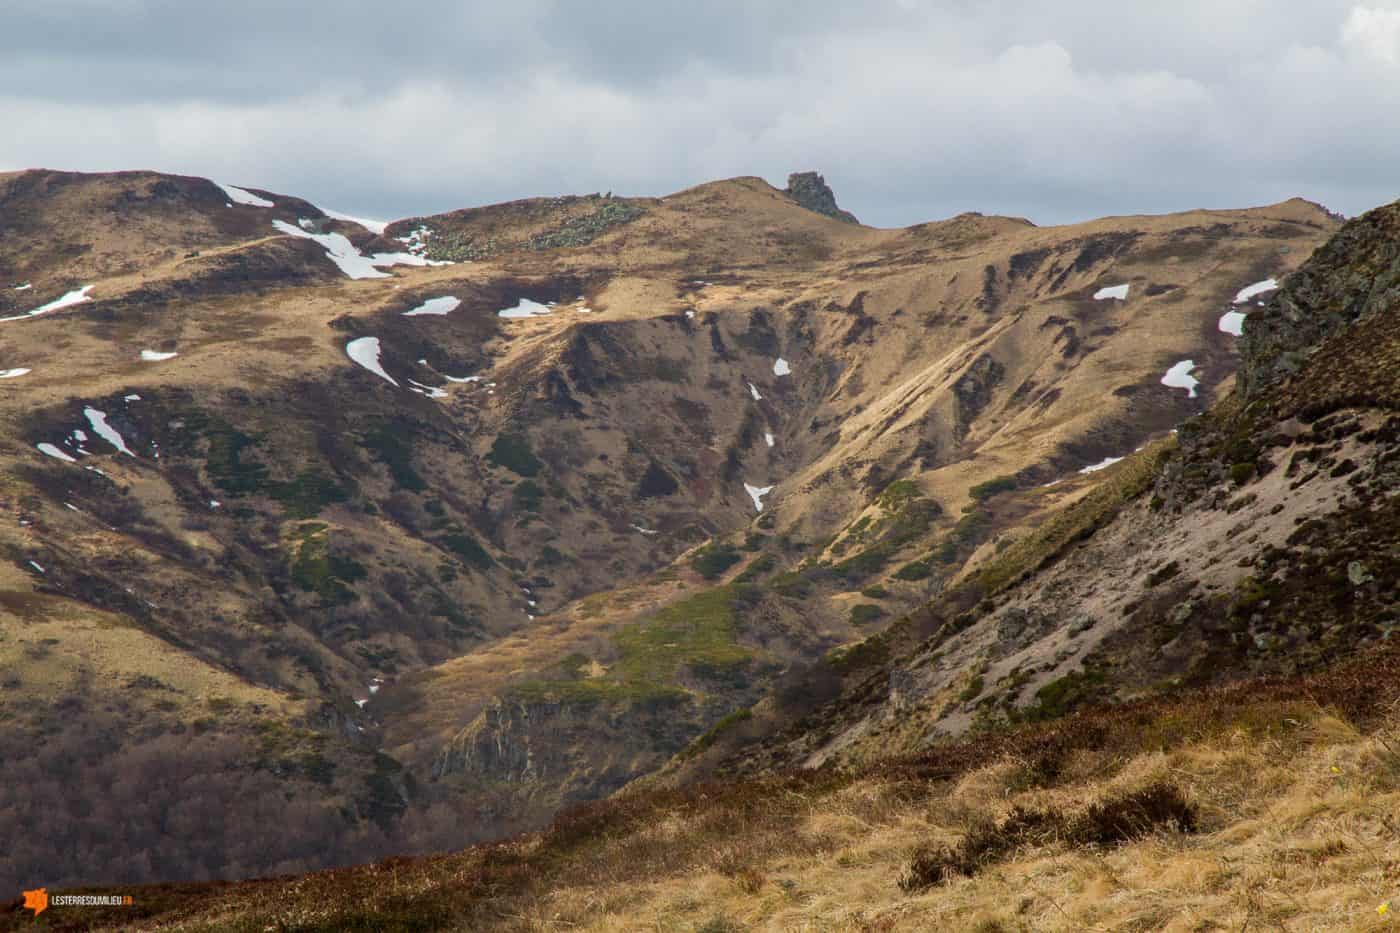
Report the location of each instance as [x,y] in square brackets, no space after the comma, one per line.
[1291,781]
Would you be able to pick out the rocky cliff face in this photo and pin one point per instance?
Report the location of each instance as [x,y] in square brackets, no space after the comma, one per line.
[811,191]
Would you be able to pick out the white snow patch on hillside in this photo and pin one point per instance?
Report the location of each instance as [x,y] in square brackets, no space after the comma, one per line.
[1113,291]
[131,398]
[756,493]
[52,451]
[1179,377]
[645,531]
[1103,464]
[462,378]
[156,356]
[350,260]
[429,391]
[525,308]
[690,314]
[753,390]
[768,437]
[444,305]
[1258,288]
[365,351]
[373,226]
[69,299]
[1232,322]
[781,367]
[98,420]
[13,373]
[37,567]
[25,287]
[240,196]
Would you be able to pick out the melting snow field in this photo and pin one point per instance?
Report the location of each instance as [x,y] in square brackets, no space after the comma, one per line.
[444,305]
[52,451]
[1113,291]
[98,420]
[71,298]
[1258,288]
[365,351]
[526,308]
[756,493]
[429,391]
[1232,322]
[13,373]
[781,367]
[1103,464]
[753,390]
[373,226]
[240,196]
[351,261]
[155,356]
[1179,377]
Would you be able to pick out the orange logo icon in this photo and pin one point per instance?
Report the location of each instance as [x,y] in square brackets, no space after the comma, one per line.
[37,900]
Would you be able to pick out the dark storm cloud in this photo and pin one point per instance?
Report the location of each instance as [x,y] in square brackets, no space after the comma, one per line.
[914,109]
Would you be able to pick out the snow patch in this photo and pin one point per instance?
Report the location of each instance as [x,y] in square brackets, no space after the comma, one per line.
[462,378]
[350,260]
[365,351]
[373,226]
[444,305]
[690,314]
[1119,292]
[781,367]
[131,398]
[1179,377]
[13,373]
[52,451]
[768,437]
[525,308]
[1258,288]
[429,391]
[69,299]
[1232,322]
[156,356]
[98,420]
[38,568]
[756,493]
[1103,464]
[645,531]
[240,196]
[753,390]
[25,287]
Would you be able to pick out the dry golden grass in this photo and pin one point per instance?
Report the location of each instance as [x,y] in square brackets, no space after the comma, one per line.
[1297,835]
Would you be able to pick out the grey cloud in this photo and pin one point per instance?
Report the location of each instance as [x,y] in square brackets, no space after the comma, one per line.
[913,109]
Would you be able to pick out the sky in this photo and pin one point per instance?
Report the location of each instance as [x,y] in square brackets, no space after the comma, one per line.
[914,110]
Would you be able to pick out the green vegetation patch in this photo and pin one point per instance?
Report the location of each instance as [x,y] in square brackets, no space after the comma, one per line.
[512,451]
[391,443]
[865,613]
[316,568]
[992,487]
[465,546]
[700,630]
[712,560]
[307,493]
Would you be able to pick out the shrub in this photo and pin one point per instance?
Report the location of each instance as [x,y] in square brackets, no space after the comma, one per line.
[468,548]
[984,491]
[1117,819]
[714,559]
[915,570]
[512,451]
[862,613]
[875,591]
[1240,473]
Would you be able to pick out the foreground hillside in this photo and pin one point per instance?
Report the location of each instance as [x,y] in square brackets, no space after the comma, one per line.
[398,537]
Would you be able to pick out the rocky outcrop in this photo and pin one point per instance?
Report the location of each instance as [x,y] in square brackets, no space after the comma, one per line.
[811,191]
[1354,275]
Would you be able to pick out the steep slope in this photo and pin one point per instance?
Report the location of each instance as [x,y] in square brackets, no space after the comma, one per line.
[423,571]
[1263,539]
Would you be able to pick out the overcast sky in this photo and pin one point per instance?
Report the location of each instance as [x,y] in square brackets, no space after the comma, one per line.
[913,109]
